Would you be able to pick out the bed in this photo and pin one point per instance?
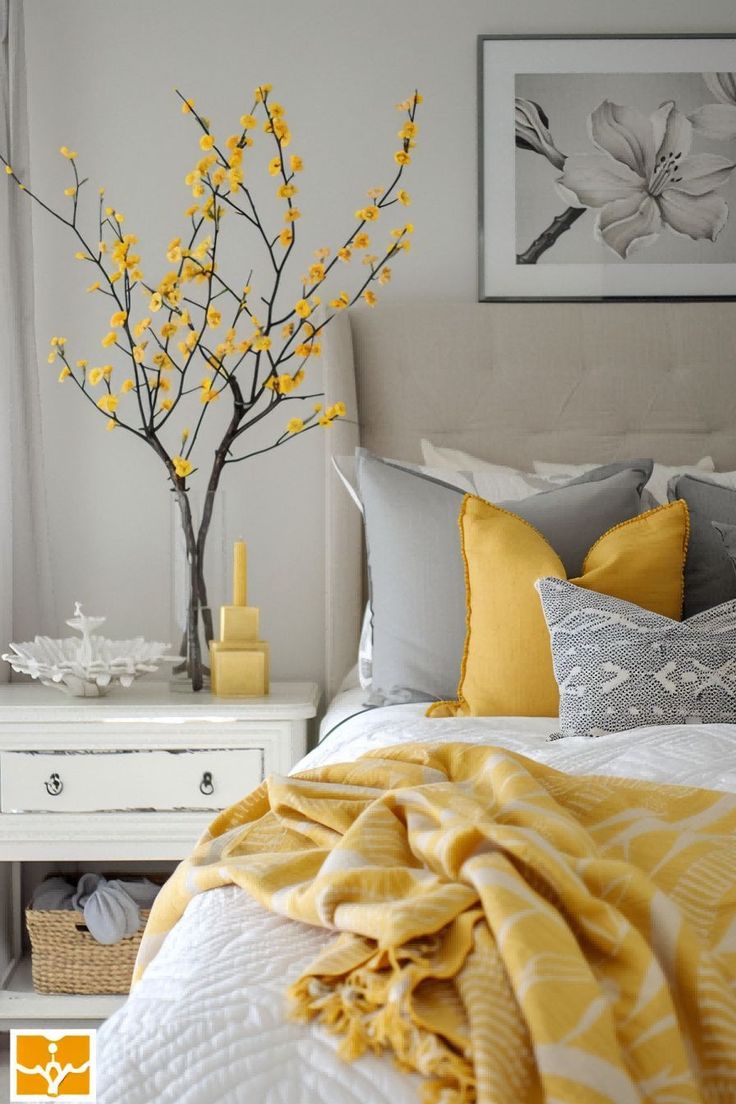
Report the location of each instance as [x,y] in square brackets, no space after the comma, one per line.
[206,1023]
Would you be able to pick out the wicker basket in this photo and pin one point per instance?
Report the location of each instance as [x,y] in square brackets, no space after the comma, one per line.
[66,958]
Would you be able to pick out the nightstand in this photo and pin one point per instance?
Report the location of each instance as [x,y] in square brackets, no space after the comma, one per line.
[111,783]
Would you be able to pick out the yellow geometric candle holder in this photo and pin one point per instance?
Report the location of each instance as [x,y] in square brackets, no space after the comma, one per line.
[239,660]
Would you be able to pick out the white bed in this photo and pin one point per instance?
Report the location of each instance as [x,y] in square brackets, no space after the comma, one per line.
[206,1024]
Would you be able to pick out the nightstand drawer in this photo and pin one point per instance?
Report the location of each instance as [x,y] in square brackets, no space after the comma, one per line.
[83,782]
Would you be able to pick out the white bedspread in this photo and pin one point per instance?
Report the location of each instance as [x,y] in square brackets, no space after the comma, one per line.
[206,1025]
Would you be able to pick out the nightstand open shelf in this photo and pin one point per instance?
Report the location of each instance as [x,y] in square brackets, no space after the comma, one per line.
[159,762]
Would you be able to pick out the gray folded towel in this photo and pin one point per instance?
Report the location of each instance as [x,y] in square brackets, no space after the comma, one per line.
[111,908]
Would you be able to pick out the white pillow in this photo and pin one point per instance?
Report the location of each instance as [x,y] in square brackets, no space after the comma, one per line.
[657,485]
[494,482]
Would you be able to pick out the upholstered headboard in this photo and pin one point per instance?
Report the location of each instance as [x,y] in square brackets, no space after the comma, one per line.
[518,382]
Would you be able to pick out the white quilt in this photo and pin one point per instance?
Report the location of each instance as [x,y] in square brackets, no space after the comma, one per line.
[206,1024]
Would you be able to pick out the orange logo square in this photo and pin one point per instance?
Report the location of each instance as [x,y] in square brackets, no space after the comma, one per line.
[52,1065]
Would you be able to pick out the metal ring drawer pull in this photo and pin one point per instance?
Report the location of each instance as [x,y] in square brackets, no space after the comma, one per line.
[54,785]
[206,786]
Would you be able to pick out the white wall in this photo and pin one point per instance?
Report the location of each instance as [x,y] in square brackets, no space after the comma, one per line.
[101,76]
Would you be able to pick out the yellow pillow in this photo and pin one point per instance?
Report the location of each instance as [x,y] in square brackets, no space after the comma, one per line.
[507,663]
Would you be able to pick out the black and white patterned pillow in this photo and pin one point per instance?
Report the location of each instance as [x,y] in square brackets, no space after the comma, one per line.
[619,666]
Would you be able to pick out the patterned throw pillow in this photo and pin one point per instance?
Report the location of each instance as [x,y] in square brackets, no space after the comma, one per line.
[619,666]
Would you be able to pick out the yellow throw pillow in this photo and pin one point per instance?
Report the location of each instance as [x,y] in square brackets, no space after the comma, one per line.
[507,663]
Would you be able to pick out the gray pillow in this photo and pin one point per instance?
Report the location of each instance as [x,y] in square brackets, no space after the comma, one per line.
[619,666]
[709,576]
[727,533]
[416,573]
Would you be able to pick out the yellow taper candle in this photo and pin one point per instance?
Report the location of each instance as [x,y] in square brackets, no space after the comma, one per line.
[240,574]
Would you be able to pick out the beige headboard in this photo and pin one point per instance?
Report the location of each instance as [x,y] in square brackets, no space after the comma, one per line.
[517,382]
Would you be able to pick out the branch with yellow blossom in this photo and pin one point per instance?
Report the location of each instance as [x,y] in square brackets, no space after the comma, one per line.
[261,370]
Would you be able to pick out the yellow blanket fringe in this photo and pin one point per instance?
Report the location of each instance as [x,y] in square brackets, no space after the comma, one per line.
[514,934]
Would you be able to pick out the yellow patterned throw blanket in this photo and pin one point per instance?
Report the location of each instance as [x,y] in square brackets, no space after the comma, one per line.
[515,934]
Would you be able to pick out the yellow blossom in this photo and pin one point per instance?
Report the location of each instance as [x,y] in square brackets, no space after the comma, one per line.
[303,308]
[296,163]
[155,302]
[282,132]
[208,394]
[139,353]
[127,385]
[325,421]
[218,176]
[198,190]
[173,252]
[409,129]
[317,407]
[384,275]
[235,178]
[285,384]
[64,373]
[287,330]
[370,297]
[187,106]
[169,329]
[368,214]
[316,273]
[111,424]
[274,166]
[141,327]
[51,358]
[214,318]
[69,191]
[109,339]
[163,384]
[401,157]
[403,197]
[191,210]
[95,286]
[82,364]
[182,467]
[79,256]
[342,301]
[248,122]
[119,216]
[206,142]
[118,318]
[338,410]
[261,342]
[95,376]
[344,254]
[295,425]
[108,403]
[286,191]
[292,214]
[286,236]
[68,153]
[361,240]
[261,92]
[8,170]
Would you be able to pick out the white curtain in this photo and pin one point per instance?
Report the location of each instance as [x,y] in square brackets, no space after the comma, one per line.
[26,605]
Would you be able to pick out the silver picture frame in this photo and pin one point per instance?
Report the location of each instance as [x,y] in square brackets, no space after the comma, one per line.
[606,167]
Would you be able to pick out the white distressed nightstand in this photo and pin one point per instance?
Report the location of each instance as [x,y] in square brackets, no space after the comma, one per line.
[132,777]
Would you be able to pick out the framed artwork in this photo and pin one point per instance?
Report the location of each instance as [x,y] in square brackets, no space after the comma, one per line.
[607,167]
